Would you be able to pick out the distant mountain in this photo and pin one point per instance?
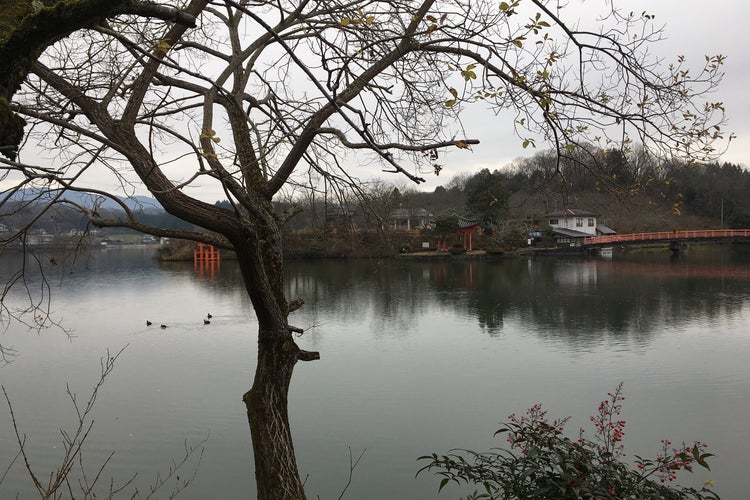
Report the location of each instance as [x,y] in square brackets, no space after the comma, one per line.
[143,204]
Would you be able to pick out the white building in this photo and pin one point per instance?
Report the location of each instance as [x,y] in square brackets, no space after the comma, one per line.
[572,225]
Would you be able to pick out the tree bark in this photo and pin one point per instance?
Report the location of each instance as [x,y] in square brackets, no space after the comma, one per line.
[260,259]
[276,472]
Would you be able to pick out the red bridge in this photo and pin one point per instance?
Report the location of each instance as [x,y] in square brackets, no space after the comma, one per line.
[667,236]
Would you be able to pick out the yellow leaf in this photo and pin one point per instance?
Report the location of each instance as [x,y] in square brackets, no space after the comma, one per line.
[345,21]
[462,145]
[370,20]
[162,46]
[450,103]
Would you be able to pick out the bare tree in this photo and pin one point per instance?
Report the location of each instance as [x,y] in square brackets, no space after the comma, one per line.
[259,93]
[59,484]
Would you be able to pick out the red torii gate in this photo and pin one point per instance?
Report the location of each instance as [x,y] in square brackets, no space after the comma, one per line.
[206,259]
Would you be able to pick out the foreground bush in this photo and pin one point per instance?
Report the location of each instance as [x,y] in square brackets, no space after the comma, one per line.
[541,463]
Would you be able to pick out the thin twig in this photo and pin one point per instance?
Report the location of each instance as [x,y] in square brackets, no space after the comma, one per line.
[352,466]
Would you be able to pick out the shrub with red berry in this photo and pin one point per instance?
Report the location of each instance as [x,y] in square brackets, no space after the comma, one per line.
[540,462]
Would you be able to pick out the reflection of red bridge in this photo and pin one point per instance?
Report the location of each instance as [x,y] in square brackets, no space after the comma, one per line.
[676,270]
[667,236]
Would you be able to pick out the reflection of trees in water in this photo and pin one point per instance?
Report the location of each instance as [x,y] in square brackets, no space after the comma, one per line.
[580,301]
[389,295]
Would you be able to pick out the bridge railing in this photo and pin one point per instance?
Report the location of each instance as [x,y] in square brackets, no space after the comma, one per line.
[668,235]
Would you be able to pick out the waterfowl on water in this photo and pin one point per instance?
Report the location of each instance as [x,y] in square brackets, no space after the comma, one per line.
[209,316]
[163,326]
[206,322]
[148,323]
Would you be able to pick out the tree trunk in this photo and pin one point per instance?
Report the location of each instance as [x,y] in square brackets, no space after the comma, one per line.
[276,471]
[260,259]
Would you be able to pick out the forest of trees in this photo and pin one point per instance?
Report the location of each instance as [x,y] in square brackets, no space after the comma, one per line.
[660,192]
[662,195]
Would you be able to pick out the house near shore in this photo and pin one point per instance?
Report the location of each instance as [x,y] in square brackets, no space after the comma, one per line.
[406,219]
[571,225]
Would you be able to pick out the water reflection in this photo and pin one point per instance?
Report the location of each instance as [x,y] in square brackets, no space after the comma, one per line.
[568,299]
[416,357]
[577,302]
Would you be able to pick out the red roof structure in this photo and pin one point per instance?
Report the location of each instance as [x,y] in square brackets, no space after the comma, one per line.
[466,227]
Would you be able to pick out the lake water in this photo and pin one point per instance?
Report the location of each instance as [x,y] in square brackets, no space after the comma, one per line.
[416,357]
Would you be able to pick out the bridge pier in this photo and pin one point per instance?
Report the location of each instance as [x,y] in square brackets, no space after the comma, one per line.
[675,246]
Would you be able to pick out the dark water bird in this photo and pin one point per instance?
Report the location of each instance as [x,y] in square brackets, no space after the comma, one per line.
[206,322]
[148,323]
[209,316]
[163,326]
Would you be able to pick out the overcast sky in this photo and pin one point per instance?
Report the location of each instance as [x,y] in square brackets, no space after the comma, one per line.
[693,28]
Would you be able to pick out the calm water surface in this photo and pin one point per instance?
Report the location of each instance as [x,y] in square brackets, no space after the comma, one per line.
[415,358]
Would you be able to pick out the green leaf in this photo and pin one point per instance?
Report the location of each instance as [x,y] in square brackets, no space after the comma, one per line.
[443,482]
